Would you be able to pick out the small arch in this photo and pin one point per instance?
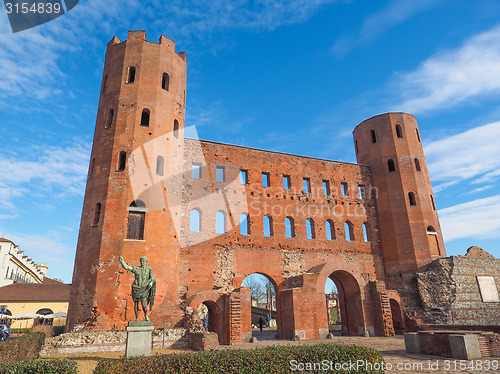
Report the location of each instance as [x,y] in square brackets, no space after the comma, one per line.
[432,202]
[244,224]
[195,220]
[417,164]
[366,232]
[109,119]
[176,128]
[145,116]
[330,230]
[159,165]
[310,232]
[391,166]
[431,230]
[131,74]
[267,221]
[220,222]
[411,199]
[399,131]
[433,241]
[349,231]
[289,227]
[91,168]
[122,161]
[418,135]
[46,312]
[165,81]
[136,220]
[97,214]
[373,136]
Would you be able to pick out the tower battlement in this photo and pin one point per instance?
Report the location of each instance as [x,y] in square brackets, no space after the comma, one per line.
[140,35]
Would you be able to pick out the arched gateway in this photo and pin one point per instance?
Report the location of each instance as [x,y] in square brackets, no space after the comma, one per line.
[213,213]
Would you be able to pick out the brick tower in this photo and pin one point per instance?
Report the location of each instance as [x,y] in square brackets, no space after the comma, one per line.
[135,156]
[409,231]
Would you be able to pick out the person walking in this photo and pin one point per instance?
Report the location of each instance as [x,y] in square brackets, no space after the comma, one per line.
[261,324]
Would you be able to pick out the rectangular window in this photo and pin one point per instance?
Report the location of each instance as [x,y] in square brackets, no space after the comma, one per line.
[307,185]
[136,225]
[220,174]
[196,171]
[287,184]
[361,191]
[266,180]
[243,176]
[345,190]
[326,188]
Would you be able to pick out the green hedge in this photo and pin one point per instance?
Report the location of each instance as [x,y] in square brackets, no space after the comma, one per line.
[26,347]
[273,359]
[39,367]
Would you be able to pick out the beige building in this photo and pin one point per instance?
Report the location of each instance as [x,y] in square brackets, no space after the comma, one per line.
[45,298]
[16,267]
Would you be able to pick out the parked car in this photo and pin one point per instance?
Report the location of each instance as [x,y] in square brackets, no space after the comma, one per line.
[5,330]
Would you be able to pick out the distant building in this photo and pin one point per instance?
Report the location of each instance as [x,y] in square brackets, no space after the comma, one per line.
[46,298]
[16,267]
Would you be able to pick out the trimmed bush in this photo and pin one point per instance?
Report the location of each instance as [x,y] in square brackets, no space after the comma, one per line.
[58,330]
[26,347]
[273,359]
[40,366]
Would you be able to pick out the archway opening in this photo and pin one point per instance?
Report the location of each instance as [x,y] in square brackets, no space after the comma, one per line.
[265,320]
[209,313]
[397,317]
[343,304]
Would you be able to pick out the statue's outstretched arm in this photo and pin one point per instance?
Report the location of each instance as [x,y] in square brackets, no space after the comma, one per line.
[124,264]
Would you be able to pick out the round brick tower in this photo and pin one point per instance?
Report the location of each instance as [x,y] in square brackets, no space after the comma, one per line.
[407,220]
[136,162]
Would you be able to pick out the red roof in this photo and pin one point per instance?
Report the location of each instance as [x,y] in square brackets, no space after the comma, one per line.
[50,290]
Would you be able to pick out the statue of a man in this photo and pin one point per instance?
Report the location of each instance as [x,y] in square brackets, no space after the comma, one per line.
[144,286]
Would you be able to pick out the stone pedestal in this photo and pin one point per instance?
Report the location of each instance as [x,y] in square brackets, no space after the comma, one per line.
[412,343]
[139,339]
[465,347]
[203,341]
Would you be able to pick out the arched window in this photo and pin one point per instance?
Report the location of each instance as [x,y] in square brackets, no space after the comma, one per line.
[330,229]
[411,198]
[244,224]
[122,161]
[391,166]
[418,135]
[289,227]
[366,232]
[136,219]
[431,230]
[432,202]
[145,118]
[97,214]
[165,81]
[159,165]
[195,220]
[91,168]
[176,128]
[356,146]
[104,83]
[349,231]
[131,74]
[220,222]
[46,312]
[417,164]
[374,137]
[267,221]
[399,131]
[109,120]
[310,229]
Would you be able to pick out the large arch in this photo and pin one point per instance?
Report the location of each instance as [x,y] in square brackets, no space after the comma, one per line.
[216,318]
[350,285]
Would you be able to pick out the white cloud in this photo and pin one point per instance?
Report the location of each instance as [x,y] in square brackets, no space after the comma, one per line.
[380,22]
[454,76]
[54,170]
[472,154]
[474,219]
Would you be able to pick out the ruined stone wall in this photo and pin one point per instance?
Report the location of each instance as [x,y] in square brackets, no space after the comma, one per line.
[450,292]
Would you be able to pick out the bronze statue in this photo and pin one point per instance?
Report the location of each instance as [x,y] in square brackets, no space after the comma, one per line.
[144,286]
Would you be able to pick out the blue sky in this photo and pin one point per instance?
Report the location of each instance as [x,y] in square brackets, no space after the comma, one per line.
[293,76]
